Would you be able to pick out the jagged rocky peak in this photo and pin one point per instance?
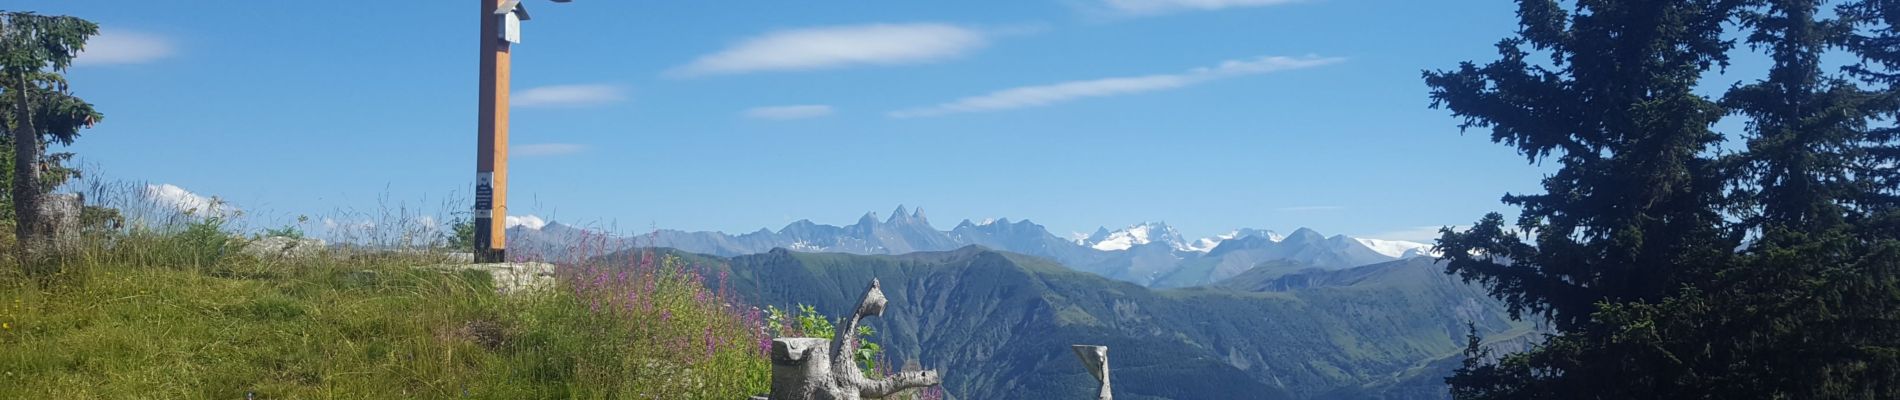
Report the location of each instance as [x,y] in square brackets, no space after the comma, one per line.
[907,217]
[900,214]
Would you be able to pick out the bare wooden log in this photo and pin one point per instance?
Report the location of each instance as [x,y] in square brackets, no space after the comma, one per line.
[879,389]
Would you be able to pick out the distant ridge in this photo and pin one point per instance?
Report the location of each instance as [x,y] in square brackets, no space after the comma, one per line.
[1148,254]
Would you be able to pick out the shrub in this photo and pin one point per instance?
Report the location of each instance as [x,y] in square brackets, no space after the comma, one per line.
[655,330]
[809,323]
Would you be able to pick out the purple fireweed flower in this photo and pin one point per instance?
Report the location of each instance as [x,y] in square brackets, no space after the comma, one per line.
[710,341]
[593,305]
[666,315]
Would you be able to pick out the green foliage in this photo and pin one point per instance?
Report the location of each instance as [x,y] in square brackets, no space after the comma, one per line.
[808,322]
[33,42]
[95,221]
[1673,269]
[202,243]
[287,231]
[461,234]
[34,50]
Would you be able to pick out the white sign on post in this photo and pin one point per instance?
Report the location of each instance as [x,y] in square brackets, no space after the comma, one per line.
[484,193]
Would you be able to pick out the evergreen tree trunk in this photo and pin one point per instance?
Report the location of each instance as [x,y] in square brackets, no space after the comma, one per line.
[26,181]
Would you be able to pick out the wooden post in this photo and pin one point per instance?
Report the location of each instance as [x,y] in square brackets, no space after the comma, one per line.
[491,154]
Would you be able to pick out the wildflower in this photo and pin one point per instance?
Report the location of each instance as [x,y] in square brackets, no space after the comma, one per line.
[666,315]
[6,326]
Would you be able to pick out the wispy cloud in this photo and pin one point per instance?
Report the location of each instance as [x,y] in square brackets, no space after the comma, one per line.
[1042,95]
[1309,208]
[546,149]
[568,96]
[839,46]
[184,201]
[789,112]
[1153,7]
[124,47]
[345,226]
[528,221]
[1421,234]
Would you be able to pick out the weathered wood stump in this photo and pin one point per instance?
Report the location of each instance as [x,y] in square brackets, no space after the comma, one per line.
[1096,359]
[812,369]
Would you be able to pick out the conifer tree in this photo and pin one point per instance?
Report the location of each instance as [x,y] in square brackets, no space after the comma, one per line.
[1777,275]
[34,50]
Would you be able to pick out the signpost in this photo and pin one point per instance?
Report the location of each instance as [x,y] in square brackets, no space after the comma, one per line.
[491,154]
[501,29]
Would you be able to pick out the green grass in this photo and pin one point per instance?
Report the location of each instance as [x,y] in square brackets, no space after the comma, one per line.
[124,323]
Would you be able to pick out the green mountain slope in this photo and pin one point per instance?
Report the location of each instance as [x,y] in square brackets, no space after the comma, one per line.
[999,324]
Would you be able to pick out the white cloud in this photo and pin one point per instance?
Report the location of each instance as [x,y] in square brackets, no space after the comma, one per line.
[837,46]
[124,47]
[1310,208]
[567,96]
[1421,234]
[1042,95]
[546,149]
[529,221]
[1151,7]
[789,112]
[184,201]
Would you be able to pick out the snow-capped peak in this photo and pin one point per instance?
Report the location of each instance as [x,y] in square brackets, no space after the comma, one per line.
[1398,248]
[1138,234]
[1207,244]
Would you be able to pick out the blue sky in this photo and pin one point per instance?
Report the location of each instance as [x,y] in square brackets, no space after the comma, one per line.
[1207,114]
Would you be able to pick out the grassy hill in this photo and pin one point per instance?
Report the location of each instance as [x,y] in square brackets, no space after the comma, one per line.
[129,321]
[999,324]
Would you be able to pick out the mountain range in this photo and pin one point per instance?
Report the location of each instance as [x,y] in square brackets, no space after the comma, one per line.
[999,324]
[1148,254]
